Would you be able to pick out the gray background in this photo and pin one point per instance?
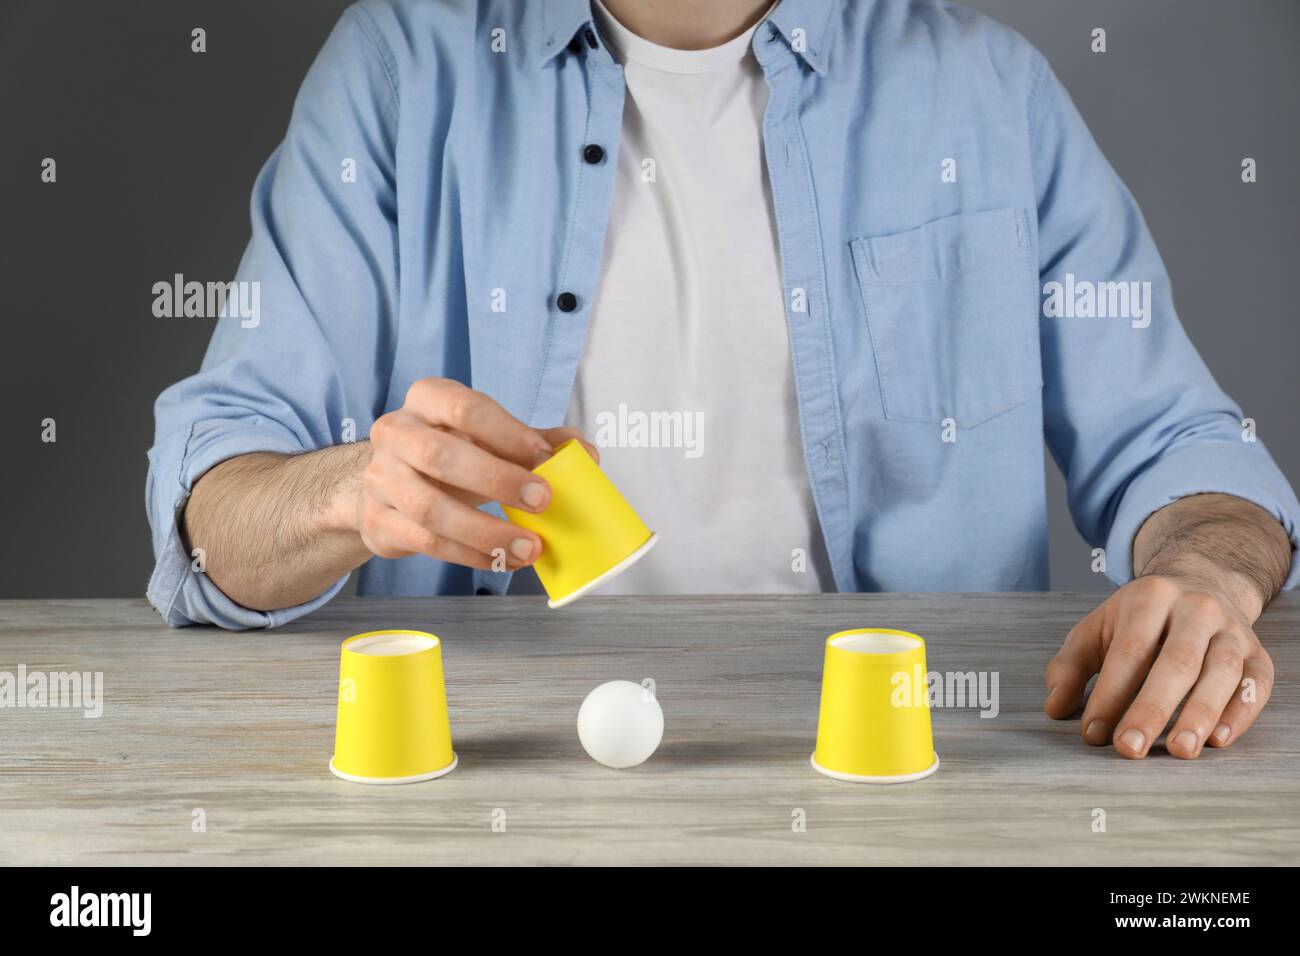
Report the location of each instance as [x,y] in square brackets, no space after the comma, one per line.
[157,149]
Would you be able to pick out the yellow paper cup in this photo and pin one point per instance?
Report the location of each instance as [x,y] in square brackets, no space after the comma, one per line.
[589,532]
[392,718]
[874,725]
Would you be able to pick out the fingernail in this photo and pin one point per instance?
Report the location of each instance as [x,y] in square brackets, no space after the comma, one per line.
[1052,691]
[541,453]
[534,494]
[522,549]
[1096,732]
[1133,740]
[1222,733]
[1187,741]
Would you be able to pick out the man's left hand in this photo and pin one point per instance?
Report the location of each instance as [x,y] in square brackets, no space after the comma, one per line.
[1157,642]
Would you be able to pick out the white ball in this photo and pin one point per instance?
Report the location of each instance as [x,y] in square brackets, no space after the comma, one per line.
[620,724]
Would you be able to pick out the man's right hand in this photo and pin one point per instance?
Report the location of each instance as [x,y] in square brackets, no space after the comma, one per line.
[446,451]
[277,530]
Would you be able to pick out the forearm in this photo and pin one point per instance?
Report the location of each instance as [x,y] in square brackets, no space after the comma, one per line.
[277,530]
[1222,543]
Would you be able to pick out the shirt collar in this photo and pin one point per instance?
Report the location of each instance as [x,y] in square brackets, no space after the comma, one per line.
[802,24]
[557,23]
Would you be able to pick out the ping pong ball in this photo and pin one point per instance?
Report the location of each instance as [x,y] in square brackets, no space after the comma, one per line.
[620,724]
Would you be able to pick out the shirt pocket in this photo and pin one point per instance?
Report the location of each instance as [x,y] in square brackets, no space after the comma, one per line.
[952,311]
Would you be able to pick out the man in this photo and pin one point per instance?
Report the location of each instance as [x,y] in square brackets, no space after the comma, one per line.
[827,243]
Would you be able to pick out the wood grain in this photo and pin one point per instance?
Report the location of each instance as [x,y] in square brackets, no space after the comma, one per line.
[241,725]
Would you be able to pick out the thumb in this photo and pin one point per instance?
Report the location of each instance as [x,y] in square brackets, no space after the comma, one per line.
[1068,673]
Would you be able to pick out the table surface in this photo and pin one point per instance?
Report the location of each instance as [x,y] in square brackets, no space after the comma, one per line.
[240,726]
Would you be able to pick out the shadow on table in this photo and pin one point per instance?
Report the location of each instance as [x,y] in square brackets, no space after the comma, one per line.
[516,746]
[540,745]
[697,753]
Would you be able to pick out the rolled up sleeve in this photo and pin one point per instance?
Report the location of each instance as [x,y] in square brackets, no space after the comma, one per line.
[1131,413]
[1245,471]
[179,589]
[303,372]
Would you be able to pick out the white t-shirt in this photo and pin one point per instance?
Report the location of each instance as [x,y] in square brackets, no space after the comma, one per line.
[686,383]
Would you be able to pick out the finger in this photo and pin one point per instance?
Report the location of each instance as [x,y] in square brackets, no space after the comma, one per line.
[444,403]
[1068,673]
[423,502]
[1139,624]
[450,460]
[1194,620]
[460,494]
[398,536]
[1220,678]
[1247,701]
[558,436]
[471,499]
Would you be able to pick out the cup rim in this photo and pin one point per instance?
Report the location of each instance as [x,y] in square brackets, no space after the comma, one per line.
[604,576]
[891,631]
[348,648]
[392,781]
[872,778]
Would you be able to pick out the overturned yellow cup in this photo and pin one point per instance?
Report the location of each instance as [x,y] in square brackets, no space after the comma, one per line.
[874,724]
[589,532]
[392,718]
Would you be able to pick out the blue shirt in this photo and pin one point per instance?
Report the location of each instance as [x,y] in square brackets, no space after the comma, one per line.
[965,277]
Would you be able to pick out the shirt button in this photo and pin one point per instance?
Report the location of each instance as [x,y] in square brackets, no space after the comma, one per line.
[566,301]
[483,591]
[593,153]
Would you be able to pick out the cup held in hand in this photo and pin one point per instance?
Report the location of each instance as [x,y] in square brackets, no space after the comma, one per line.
[589,533]
[874,724]
[392,714]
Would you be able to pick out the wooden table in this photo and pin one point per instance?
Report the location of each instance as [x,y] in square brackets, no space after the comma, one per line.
[240,726]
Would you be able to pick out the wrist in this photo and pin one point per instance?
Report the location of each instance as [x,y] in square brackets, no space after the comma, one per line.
[339,516]
[1217,543]
[1200,573]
